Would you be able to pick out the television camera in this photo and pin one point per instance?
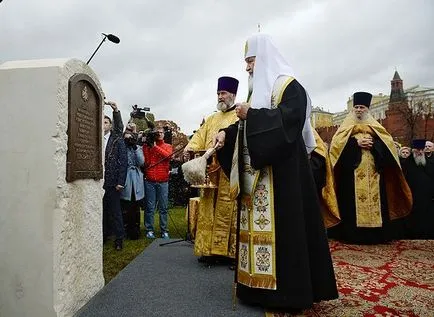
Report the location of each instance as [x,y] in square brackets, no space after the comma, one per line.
[139,113]
[145,122]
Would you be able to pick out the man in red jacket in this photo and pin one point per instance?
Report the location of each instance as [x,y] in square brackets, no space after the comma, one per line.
[157,159]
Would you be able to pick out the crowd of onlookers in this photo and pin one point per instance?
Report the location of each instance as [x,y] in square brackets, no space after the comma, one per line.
[136,175]
[417,164]
[138,167]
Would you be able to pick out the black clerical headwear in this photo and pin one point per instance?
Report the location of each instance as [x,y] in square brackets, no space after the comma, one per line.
[362,98]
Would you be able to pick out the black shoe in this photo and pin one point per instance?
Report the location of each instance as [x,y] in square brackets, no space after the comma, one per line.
[232,264]
[209,260]
[287,310]
[118,245]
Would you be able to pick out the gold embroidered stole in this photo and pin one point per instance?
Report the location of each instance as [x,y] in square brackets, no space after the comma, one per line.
[367,185]
[257,258]
[257,241]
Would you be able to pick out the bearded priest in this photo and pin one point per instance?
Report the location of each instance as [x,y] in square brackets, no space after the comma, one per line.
[284,260]
[216,216]
[370,186]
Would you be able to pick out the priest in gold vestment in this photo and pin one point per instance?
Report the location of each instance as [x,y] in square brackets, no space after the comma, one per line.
[216,218]
[371,188]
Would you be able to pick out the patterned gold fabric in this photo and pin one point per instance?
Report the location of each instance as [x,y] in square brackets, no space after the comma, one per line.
[216,217]
[191,214]
[257,240]
[367,185]
[367,189]
[328,201]
[257,258]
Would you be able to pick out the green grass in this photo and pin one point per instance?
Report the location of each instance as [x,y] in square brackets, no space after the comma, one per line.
[114,261]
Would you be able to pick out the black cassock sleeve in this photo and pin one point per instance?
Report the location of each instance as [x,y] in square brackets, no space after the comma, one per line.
[351,155]
[382,155]
[404,166]
[225,154]
[318,166]
[272,133]
[430,168]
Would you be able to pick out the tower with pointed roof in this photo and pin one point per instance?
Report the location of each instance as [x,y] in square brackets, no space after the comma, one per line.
[397,89]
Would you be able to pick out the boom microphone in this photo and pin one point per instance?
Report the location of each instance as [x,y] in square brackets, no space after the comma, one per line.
[112,38]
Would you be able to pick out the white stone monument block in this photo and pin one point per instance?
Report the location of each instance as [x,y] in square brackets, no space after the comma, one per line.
[50,228]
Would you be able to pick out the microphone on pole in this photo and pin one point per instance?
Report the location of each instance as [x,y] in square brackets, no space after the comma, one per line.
[112,38]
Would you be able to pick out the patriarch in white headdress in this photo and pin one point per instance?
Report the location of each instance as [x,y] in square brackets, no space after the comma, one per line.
[268,67]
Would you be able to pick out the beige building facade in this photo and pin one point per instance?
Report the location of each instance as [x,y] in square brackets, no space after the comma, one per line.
[419,98]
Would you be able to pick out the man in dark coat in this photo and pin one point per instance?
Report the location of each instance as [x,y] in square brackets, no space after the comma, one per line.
[115,173]
[429,150]
[283,258]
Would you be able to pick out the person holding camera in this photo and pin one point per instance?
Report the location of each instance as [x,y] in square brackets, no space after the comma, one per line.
[157,155]
[134,190]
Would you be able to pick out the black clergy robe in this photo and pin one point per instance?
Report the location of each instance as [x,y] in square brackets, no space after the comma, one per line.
[349,160]
[318,166]
[420,223]
[304,270]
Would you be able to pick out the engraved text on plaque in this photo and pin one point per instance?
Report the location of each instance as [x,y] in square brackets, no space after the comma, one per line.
[84,156]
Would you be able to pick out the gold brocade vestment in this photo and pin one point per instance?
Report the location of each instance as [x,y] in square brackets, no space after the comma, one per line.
[367,184]
[216,219]
[328,200]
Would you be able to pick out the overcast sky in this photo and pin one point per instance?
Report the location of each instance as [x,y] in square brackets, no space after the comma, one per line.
[172,51]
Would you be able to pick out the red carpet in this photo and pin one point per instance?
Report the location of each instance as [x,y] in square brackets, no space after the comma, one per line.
[394,279]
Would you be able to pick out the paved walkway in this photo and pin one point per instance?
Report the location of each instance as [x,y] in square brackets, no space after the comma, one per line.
[168,281]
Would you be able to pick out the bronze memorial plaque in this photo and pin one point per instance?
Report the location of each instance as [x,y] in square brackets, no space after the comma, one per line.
[84,156]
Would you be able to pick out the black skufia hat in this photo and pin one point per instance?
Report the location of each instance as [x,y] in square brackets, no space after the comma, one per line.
[418,144]
[362,98]
[228,84]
